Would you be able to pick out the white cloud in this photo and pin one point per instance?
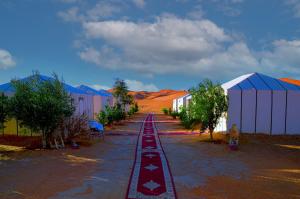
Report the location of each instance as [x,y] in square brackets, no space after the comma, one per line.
[184,46]
[98,86]
[135,85]
[99,11]
[71,15]
[284,57]
[6,59]
[139,3]
[295,5]
[102,10]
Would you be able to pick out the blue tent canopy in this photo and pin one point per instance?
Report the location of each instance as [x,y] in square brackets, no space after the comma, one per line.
[8,87]
[259,81]
[92,91]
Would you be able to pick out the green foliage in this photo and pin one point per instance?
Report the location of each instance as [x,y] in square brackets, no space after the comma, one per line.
[136,107]
[186,119]
[121,93]
[4,109]
[41,105]
[111,114]
[102,118]
[208,104]
[174,114]
[165,111]
[169,111]
[133,109]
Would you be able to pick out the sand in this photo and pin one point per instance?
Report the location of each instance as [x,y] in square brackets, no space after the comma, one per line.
[262,168]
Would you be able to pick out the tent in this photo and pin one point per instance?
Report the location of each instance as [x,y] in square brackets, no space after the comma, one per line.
[181,102]
[262,104]
[175,105]
[100,98]
[83,101]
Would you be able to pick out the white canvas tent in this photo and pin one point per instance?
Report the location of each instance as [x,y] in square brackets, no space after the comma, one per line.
[262,104]
[182,102]
[82,101]
[100,99]
[175,107]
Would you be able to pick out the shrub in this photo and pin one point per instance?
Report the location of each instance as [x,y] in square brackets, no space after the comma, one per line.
[186,119]
[174,114]
[136,107]
[169,111]
[102,118]
[165,111]
[77,126]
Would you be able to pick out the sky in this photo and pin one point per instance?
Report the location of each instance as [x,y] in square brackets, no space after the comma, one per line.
[151,44]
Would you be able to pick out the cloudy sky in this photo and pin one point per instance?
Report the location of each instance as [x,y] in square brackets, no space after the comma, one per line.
[151,44]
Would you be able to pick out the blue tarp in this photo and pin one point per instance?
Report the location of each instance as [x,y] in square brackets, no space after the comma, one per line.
[8,87]
[96,125]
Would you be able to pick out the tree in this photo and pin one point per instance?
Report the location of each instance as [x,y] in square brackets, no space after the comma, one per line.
[121,93]
[41,105]
[208,104]
[4,109]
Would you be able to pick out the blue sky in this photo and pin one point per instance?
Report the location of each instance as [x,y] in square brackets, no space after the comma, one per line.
[151,44]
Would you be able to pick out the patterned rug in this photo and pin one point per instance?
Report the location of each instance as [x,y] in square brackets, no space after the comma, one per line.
[151,176]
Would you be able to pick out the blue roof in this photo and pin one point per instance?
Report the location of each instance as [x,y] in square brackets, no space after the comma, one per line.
[8,87]
[92,91]
[259,81]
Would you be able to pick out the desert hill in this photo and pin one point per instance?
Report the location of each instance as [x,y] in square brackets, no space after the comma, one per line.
[292,81]
[155,101]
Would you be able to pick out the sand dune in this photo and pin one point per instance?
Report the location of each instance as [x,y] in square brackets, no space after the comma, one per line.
[155,101]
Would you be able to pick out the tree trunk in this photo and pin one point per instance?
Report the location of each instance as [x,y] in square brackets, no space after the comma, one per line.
[211,130]
[44,139]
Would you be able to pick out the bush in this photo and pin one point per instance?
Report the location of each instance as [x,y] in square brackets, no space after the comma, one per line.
[112,114]
[186,119]
[77,126]
[102,118]
[174,114]
[136,107]
[169,111]
[165,111]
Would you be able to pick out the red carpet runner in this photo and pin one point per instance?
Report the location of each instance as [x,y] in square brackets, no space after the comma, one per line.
[151,176]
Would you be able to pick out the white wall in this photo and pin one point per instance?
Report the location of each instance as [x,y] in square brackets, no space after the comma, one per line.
[278,112]
[234,108]
[248,111]
[263,118]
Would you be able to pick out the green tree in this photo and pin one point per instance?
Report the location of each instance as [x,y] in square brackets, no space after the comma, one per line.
[4,109]
[165,111]
[208,104]
[102,117]
[41,105]
[121,93]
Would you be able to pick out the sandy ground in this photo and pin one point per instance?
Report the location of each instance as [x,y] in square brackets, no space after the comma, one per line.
[260,169]
[263,167]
